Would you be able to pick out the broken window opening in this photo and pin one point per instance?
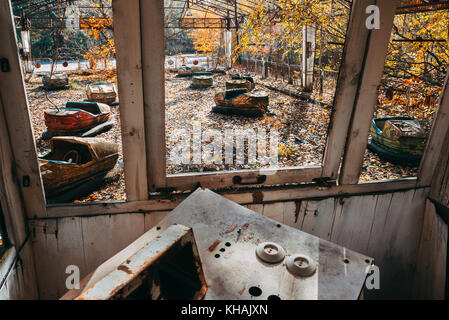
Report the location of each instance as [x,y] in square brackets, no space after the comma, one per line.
[414,73]
[68,58]
[220,79]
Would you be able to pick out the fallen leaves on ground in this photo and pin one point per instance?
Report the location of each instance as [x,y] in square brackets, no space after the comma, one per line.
[302,125]
[40,99]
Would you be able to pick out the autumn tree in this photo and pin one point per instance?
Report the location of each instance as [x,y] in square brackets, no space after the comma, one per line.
[207,40]
[100,26]
[416,65]
[416,62]
[275,28]
[419,47]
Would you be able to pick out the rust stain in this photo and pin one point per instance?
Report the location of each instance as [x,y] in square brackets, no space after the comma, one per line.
[214,245]
[249,237]
[231,228]
[243,290]
[257,196]
[298,208]
[124,269]
[245,226]
[201,293]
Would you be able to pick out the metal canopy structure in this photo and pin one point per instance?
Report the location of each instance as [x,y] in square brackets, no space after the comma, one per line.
[216,14]
[413,6]
[224,14]
[47,14]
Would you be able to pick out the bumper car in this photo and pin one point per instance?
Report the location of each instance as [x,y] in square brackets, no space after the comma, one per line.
[241,102]
[202,81]
[102,92]
[400,140]
[56,81]
[78,119]
[74,162]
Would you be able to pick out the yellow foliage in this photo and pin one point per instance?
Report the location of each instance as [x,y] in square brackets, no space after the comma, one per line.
[206,41]
[96,27]
[278,29]
[415,57]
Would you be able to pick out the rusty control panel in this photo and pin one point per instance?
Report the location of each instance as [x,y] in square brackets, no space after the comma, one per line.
[243,255]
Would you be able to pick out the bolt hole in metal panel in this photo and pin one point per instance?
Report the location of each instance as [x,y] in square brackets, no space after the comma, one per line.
[220,223]
[255,291]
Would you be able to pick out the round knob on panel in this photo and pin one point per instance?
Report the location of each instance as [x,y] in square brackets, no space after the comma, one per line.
[270,252]
[301,265]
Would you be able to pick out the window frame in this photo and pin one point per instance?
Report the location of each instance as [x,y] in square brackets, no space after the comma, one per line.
[141,87]
[364,109]
[15,111]
[367,95]
[353,108]
[153,60]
